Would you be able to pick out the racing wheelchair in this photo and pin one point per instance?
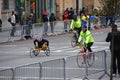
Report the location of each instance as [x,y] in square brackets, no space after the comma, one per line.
[35,51]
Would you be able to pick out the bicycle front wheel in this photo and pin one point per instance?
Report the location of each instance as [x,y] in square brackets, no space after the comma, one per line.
[73,41]
[90,58]
[81,60]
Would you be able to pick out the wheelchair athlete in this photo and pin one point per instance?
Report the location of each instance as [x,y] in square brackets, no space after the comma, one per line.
[39,41]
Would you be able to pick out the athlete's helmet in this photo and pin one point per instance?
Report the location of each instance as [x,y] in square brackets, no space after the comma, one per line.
[75,17]
[84,26]
[39,38]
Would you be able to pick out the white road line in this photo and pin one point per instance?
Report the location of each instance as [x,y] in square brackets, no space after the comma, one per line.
[70,49]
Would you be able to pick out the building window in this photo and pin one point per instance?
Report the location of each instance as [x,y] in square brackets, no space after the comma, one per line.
[5,4]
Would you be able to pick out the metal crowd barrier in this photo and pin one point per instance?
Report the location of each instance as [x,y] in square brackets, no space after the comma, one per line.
[59,27]
[39,29]
[60,69]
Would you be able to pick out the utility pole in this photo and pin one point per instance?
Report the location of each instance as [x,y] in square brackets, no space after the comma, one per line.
[77,6]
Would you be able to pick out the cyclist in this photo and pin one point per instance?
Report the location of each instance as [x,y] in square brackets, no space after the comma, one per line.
[84,19]
[85,34]
[76,24]
[39,41]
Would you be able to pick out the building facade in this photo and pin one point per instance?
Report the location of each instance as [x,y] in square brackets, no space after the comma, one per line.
[61,5]
[38,6]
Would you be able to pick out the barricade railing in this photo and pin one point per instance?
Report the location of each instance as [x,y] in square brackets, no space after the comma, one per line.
[60,69]
[49,28]
[7,74]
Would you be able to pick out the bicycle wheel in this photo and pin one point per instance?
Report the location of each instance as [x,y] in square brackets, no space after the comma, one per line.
[73,41]
[47,51]
[81,60]
[90,58]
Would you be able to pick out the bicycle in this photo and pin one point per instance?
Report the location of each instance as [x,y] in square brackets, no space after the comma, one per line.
[85,58]
[74,39]
[36,51]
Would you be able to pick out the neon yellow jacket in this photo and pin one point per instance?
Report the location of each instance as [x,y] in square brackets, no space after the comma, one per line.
[76,24]
[86,36]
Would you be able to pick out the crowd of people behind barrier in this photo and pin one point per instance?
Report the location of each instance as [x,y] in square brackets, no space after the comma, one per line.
[27,21]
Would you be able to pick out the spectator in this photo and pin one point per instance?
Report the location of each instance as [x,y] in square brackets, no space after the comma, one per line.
[67,10]
[84,19]
[83,11]
[13,23]
[65,18]
[71,13]
[52,20]
[0,25]
[114,39]
[23,24]
[44,14]
[16,17]
[28,27]
[45,21]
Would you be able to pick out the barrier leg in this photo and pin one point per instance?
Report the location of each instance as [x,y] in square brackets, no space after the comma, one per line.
[86,69]
[105,71]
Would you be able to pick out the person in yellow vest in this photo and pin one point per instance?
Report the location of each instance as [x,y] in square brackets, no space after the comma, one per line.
[86,35]
[76,24]
[84,19]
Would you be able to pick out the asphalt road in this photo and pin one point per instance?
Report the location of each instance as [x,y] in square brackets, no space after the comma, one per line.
[17,53]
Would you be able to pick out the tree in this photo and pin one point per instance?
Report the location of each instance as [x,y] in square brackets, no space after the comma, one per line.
[112,9]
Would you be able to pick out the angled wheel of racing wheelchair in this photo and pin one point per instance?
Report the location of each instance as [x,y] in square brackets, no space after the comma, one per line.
[47,51]
[34,52]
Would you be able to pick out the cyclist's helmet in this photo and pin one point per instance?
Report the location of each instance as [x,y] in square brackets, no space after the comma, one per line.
[75,17]
[39,38]
[84,26]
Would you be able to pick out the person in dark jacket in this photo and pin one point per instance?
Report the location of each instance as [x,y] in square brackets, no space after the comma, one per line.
[115,46]
[0,25]
[71,13]
[52,20]
[65,18]
[28,27]
[45,21]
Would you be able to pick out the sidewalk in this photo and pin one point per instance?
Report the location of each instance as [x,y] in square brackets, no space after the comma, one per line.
[5,37]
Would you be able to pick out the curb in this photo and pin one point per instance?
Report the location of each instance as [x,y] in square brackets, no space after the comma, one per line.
[51,35]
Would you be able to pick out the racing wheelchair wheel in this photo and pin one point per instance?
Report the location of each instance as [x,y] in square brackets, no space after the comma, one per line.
[47,51]
[33,52]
